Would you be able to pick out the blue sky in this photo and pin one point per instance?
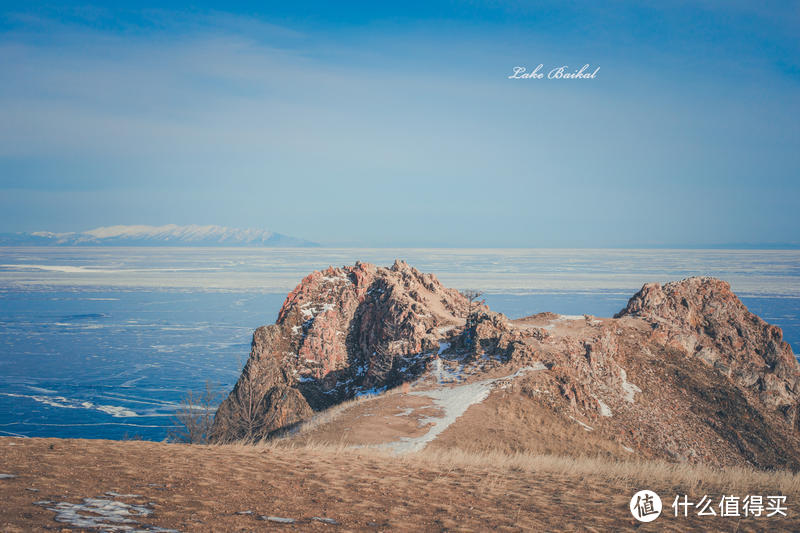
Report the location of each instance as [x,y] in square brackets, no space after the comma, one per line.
[371,124]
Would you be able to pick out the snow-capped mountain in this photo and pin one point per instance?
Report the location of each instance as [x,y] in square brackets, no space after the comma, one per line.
[169,235]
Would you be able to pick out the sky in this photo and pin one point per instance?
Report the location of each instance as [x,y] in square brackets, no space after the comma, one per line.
[371,124]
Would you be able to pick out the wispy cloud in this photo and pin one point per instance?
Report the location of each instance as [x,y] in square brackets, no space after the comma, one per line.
[209,117]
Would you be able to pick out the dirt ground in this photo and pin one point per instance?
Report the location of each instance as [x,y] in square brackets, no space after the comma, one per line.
[230,488]
[378,420]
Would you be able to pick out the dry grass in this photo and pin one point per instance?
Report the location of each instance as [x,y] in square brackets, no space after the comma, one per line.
[505,422]
[483,454]
[689,477]
[330,414]
[206,487]
[678,474]
[583,461]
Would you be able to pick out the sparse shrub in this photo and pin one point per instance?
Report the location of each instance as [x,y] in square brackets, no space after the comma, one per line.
[195,417]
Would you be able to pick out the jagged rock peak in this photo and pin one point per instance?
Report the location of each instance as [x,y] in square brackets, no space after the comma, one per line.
[339,332]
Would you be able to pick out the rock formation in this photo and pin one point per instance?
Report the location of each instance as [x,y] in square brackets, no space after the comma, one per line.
[684,372]
[702,318]
[342,331]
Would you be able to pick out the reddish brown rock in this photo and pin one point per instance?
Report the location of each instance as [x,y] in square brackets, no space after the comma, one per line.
[340,332]
[702,318]
[685,372]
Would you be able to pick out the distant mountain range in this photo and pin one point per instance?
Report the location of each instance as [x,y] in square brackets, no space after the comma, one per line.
[169,235]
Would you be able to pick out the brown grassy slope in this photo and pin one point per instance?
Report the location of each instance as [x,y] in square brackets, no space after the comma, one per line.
[681,402]
[200,488]
[504,422]
[691,407]
[510,423]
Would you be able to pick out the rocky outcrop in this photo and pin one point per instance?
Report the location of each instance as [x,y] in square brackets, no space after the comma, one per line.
[702,318]
[684,372]
[341,332]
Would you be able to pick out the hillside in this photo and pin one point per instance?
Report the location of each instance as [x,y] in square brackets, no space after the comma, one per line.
[314,488]
[684,373]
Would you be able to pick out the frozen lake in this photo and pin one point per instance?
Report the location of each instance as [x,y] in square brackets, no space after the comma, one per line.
[104,342]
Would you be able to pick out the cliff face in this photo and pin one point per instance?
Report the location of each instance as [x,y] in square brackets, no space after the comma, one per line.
[684,372]
[340,332]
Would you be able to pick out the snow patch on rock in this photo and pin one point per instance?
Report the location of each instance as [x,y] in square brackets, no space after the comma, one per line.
[629,388]
[605,410]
